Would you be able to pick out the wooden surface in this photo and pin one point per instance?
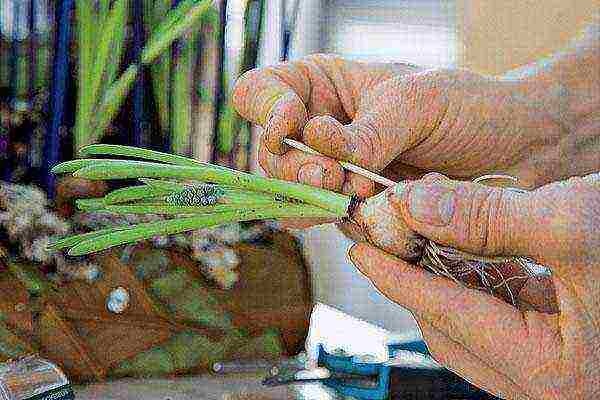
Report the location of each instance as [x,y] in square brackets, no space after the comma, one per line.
[203,387]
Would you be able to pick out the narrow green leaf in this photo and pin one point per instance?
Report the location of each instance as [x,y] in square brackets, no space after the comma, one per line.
[117,50]
[71,241]
[182,96]
[160,69]
[90,204]
[133,193]
[178,225]
[104,8]
[86,23]
[113,98]
[182,210]
[73,165]
[163,184]
[171,16]
[163,39]
[229,122]
[103,58]
[138,152]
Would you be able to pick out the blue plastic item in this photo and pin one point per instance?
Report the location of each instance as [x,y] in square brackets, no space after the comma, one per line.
[345,364]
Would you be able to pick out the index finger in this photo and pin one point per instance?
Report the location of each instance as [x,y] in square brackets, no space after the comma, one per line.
[479,322]
[274,98]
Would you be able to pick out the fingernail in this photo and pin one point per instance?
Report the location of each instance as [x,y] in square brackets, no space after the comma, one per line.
[311,174]
[351,253]
[351,257]
[431,203]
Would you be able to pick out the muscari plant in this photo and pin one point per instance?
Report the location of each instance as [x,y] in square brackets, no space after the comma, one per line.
[191,194]
[194,195]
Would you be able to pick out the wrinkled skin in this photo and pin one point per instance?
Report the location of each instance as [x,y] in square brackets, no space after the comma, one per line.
[538,124]
[402,121]
[512,353]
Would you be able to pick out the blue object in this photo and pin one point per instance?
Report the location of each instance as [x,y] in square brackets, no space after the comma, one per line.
[410,382]
[60,71]
[345,364]
[139,118]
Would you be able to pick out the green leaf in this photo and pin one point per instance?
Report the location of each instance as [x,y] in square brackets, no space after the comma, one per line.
[178,225]
[86,23]
[180,210]
[104,56]
[71,241]
[133,193]
[163,38]
[138,152]
[182,96]
[90,204]
[229,122]
[68,167]
[163,184]
[113,98]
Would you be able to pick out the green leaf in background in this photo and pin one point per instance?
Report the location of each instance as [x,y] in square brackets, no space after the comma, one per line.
[109,40]
[241,45]
[160,70]
[182,96]
[177,23]
[113,99]
[86,24]
[162,39]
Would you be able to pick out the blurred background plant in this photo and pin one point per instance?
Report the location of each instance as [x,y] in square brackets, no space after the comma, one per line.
[150,73]
[155,73]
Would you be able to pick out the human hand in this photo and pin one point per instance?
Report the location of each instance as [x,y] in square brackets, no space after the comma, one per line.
[513,353]
[399,121]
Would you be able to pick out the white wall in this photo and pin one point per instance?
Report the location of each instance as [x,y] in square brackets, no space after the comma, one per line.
[417,31]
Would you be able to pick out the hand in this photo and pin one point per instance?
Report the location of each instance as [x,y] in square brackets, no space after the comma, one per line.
[400,121]
[512,353]
[395,120]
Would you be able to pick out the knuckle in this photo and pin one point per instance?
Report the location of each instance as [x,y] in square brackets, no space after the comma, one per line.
[483,222]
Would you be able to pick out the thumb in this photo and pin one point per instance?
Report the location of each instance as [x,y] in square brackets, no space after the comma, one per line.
[468,216]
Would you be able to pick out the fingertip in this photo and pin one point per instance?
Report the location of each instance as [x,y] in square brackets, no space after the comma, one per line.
[286,118]
[316,171]
[276,130]
[354,254]
[311,174]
